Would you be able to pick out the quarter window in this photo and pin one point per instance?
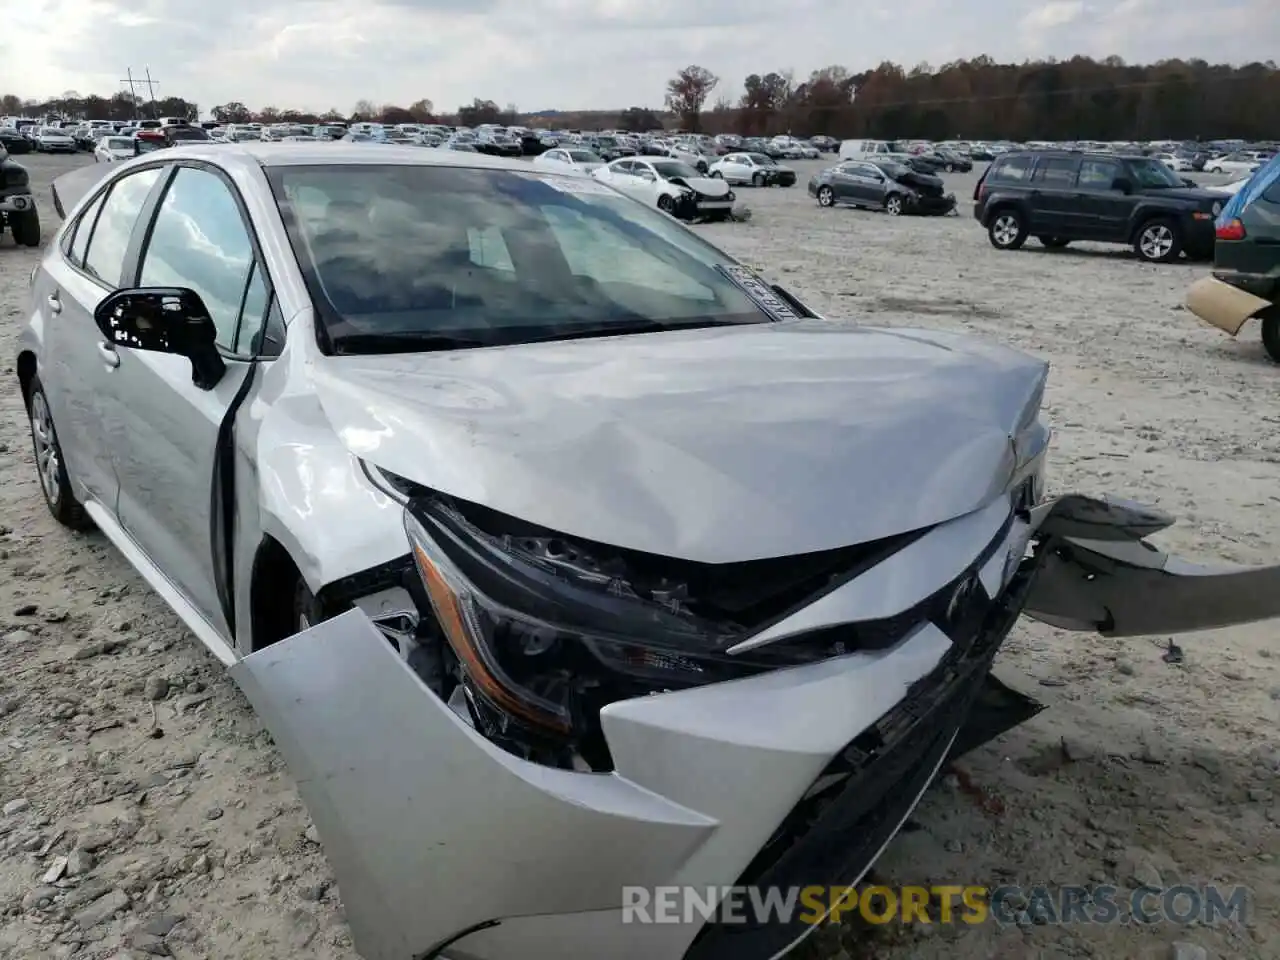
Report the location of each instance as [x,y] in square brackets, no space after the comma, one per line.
[1011,169]
[200,241]
[81,232]
[119,215]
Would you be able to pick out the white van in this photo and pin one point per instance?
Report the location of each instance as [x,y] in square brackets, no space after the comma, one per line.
[865,149]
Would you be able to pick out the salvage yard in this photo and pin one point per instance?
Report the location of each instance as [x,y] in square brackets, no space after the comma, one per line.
[145,811]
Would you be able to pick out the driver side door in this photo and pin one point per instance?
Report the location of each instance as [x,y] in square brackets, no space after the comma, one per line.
[166,429]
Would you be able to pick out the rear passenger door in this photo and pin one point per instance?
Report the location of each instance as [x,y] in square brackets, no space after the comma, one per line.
[1054,208]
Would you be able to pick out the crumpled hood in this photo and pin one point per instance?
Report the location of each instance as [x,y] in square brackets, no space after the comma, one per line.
[707,186]
[711,445]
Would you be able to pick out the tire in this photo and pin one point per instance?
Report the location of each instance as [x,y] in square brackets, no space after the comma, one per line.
[25,228]
[667,205]
[1053,243]
[1158,241]
[716,175]
[1008,230]
[826,197]
[949,168]
[893,205]
[51,468]
[757,179]
[1271,333]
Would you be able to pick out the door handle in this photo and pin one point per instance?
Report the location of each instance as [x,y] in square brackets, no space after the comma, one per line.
[108,354]
[55,305]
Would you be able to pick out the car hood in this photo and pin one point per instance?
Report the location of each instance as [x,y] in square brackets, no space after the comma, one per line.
[711,445]
[707,186]
[1197,194]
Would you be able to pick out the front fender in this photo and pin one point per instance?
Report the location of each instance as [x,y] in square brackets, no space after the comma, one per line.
[1096,573]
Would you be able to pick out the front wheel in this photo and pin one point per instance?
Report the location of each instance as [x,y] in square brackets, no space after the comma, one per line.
[51,469]
[716,175]
[893,205]
[667,205]
[26,228]
[826,197]
[1158,241]
[757,179]
[1008,231]
[1271,333]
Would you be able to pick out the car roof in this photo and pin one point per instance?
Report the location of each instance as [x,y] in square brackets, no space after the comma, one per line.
[317,153]
[1060,152]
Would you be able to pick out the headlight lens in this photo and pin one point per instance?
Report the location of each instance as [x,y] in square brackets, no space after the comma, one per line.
[546,644]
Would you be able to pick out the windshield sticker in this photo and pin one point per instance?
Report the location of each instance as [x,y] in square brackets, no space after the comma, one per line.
[759,291]
[582,186]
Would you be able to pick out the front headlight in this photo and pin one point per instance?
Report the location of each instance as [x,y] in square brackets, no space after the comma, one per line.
[545,636]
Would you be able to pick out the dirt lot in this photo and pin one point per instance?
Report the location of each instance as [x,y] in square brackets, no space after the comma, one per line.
[145,810]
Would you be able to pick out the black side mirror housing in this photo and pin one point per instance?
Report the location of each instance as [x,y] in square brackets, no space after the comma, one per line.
[1188,182]
[165,320]
[1123,184]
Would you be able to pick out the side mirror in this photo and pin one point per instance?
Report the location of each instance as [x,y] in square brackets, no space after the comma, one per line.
[1188,182]
[165,320]
[1123,184]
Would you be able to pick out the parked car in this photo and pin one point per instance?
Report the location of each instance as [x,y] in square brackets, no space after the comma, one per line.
[884,185]
[55,140]
[112,148]
[14,141]
[757,169]
[18,212]
[512,545]
[569,157]
[671,186]
[1060,196]
[953,161]
[1245,283]
[1240,163]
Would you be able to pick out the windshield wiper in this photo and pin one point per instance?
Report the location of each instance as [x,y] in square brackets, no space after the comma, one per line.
[405,341]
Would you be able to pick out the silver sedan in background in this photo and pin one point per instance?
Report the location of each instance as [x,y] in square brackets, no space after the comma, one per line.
[560,552]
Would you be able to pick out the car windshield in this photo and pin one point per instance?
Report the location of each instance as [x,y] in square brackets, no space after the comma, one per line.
[584,156]
[397,253]
[52,132]
[1153,173]
[119,143]
[674,168]
[186,133]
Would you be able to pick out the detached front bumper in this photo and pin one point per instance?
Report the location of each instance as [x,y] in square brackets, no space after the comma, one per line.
[445,845]
[932,206]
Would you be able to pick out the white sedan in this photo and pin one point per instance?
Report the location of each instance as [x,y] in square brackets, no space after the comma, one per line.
[757,169]
[1233,163]
[55,140]
[671,186]
[1180,164]
[569,157]
[113,148]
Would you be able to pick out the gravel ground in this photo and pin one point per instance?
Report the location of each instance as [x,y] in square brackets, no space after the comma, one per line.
[146,813]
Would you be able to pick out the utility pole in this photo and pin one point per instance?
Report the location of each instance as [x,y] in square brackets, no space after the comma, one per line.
[151,91]
[133,96]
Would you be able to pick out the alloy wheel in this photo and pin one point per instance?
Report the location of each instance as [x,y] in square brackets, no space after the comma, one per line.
[1005,229]
[48,464]
[1156,241]
[893,206]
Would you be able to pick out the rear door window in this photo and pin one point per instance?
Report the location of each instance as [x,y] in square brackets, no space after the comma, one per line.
[119,215]
[1057,172]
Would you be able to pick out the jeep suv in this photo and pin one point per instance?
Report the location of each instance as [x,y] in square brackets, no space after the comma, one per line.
[1064,195]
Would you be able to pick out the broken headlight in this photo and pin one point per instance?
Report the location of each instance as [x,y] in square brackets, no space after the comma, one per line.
[544,639]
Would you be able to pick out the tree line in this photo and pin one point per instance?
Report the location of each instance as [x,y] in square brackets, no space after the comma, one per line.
[976,99]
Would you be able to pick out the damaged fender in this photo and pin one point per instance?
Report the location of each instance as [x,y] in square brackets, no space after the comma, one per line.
[1097,573]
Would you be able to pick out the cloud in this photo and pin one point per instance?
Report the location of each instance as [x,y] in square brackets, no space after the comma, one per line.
[316,54]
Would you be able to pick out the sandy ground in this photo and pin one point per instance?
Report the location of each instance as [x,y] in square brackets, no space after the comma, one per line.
[145,812]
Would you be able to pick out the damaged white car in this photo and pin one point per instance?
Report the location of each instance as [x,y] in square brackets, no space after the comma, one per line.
[559,552]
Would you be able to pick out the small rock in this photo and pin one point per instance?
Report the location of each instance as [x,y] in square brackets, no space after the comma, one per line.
[161,924]
[80,862]
[101,910]
[94,840]
[1077,750]
[1125,668]
[954,846]
[148,943]
[16,806]
[26,610]
[88,651]
[1181,950]
[312,835]
[213,813]
[55,871]
[39,898]
[314,892]
[201,865]
[1142,873]
[19,636]
[302,928]
[156,688]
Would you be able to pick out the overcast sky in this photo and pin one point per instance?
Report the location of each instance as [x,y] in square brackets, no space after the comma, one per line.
[538,54]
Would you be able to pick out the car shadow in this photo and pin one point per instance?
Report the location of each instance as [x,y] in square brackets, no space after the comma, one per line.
[1118,253]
